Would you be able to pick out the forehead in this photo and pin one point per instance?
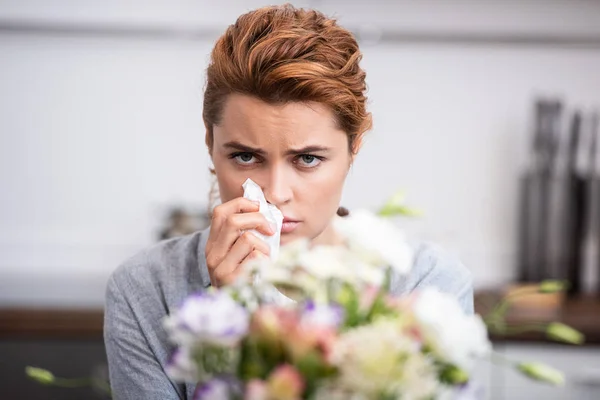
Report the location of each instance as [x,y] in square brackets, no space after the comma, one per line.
[254,122]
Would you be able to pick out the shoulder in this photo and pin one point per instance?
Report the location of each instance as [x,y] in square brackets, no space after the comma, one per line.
[157,270]
[435,266]
[140,293]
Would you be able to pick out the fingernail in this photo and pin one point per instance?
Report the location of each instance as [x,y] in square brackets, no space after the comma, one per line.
[273,227]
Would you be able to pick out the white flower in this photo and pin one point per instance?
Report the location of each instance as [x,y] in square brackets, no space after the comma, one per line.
[332,390]
[289,253]
[326,262]
[376,240]
[213,318]
[379,358]
[453,336]
[310,268]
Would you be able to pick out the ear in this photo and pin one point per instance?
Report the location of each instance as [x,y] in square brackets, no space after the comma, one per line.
[211,166]
[209,140]
[356,145]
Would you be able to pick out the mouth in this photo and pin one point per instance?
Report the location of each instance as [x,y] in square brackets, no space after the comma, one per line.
[289,225]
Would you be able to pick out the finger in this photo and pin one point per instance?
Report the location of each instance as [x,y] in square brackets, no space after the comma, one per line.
[243,247]
[220,215]
[238,205]
[236,224]
[231,231]
[255,255]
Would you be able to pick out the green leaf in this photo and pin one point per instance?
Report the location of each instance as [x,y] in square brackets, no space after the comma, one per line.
[310,367]
[251,365]
[453,375]
[348,298]
[405,211]
[314,370]
[396,206]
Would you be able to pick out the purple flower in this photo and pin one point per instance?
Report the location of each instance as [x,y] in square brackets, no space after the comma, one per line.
[213,318]
[323,315]
[220,388]
[471,391]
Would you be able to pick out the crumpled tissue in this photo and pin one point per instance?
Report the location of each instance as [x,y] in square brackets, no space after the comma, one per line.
[275,217]
[253,192]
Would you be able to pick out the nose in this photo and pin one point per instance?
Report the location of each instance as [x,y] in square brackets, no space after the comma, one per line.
[277,187]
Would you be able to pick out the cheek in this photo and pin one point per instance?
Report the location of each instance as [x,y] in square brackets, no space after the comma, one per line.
[230,186]
[324,190]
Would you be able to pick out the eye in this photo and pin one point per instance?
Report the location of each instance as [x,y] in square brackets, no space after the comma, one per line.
[244,158]
[309,161]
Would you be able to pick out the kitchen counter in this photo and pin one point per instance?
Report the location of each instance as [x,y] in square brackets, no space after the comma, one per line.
[582,313]
[30,323]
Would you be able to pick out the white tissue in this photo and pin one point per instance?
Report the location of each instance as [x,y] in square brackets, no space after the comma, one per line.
[275,217]
[269,293]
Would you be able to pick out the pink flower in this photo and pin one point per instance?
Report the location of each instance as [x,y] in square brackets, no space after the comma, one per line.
[285,383]
[289,328]
[256,390]
[368,296]
[273,323]
[305,339]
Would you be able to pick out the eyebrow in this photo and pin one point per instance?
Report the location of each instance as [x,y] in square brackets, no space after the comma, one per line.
[243,148]
[247,149]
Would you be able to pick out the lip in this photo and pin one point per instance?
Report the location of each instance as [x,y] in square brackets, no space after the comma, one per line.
[289,225]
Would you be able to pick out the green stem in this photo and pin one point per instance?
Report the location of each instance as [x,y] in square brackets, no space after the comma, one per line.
[73,383]
[503,304]
[104,386]
[513,330]
[486,301]
[82,382]
[500,359]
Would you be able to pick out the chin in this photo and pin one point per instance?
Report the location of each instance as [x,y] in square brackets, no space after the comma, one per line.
[287,238]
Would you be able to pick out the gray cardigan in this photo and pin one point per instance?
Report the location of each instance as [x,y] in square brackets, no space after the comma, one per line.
[153,283]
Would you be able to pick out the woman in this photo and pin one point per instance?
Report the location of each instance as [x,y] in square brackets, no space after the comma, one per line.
[285,106]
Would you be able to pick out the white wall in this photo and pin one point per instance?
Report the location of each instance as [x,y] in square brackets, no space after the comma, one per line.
[98,133]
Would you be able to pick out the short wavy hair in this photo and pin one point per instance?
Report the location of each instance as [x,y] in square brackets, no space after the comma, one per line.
[283,54]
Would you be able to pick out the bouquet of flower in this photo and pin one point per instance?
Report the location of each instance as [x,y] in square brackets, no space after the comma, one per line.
[319,323]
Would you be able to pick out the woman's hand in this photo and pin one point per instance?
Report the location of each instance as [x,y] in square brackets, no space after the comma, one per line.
[227,247]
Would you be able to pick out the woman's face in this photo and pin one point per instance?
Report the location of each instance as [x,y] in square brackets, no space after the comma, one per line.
[294,152]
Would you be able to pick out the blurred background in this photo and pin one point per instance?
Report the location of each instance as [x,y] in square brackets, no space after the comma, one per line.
[484,114]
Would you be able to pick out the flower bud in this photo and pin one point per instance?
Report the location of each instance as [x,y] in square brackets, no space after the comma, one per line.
[542,372]
[43,376]
[552,286]
[564,333]
[285,383]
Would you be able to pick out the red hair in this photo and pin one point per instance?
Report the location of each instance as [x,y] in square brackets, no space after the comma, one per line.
[283,54]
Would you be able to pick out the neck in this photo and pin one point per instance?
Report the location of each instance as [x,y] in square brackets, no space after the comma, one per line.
[329,236]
